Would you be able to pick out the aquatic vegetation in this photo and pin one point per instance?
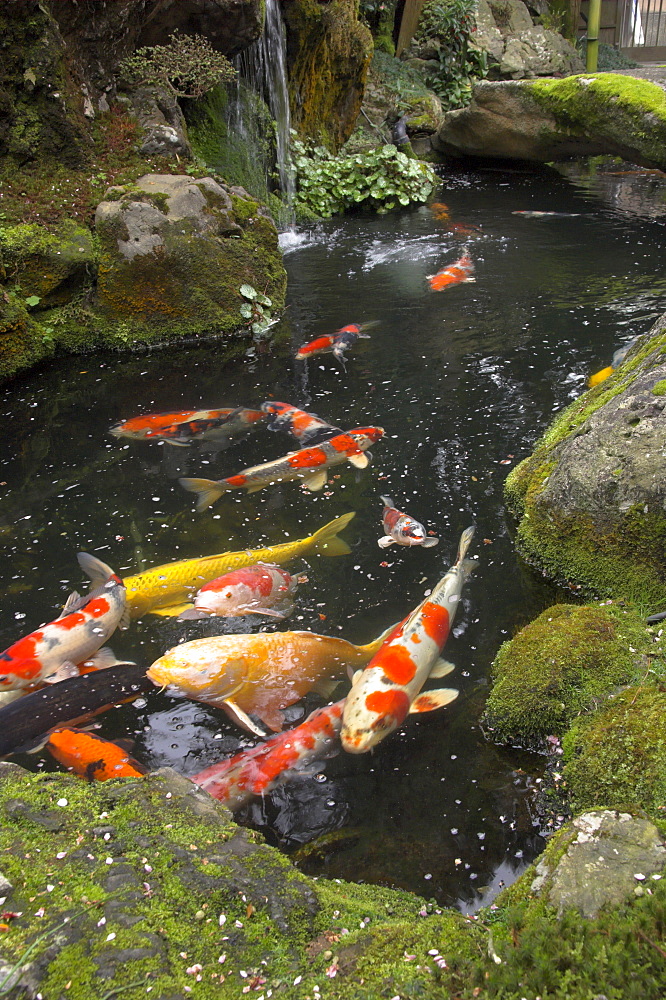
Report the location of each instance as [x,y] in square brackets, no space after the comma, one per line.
[560,665]
[381,179]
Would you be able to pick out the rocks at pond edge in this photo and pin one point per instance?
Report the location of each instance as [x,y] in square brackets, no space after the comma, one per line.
[544,120]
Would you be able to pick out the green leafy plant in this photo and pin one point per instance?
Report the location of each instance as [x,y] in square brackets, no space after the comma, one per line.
[450,24]
[32,300]
[188,65]
[256,311]
[381,179]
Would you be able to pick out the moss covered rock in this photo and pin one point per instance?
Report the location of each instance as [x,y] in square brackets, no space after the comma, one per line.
[52,266]
[617,757]
[544,120]
[328,52]
[22,341]
[173,256]
[559,665]
[591,499]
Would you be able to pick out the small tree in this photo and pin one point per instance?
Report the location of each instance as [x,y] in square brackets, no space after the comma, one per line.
[188,65]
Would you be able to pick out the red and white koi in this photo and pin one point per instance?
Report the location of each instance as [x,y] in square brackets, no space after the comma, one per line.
[401,529]
[52,652]
[262,589]
[456,273]
[307,428]
[181,427]
[254,772]
[338,342]
[389,688]
[309,464]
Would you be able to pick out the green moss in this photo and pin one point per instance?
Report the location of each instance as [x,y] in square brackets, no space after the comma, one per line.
[624,559]
[51,265]
[627,109]
[560,664]
[617,757]
[659,388]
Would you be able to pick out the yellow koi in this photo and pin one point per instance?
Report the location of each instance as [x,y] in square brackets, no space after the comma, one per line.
[168,589]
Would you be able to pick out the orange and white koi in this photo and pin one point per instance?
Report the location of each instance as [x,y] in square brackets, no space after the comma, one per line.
[338,342]
[262,589]
[389,688]
[309,464]
[181,427]
[529,214]
[258,674]
[401,529]
[52,652]
[440,211]
[254,772]
[456,273]
[92,757]
[306,427]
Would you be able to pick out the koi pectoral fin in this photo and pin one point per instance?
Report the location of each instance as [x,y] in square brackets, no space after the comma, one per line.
[241,718]
[384,542]
[63,673]
[441,668]
[429,543]
[430,700]
[360,461]
[316,481]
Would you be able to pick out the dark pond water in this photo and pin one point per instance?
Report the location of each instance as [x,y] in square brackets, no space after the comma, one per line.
[463,382]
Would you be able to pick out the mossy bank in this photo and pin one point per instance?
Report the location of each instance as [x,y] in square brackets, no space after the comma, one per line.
[590,501]
[148,887]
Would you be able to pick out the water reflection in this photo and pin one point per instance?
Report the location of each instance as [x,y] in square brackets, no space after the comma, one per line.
[463,382]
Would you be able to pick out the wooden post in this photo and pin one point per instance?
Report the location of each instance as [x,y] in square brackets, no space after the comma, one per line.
[592,49]
[410,19]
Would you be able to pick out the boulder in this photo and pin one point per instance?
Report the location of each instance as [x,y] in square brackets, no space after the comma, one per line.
[164,132]
[517,48]
[328,54]
[174,253]
[591,499]
[609,855]
[545,120]
[51,266]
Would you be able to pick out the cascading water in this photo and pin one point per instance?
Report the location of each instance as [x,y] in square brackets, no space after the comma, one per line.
[263,68]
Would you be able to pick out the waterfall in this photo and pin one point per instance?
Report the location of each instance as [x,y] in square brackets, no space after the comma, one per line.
[263,67]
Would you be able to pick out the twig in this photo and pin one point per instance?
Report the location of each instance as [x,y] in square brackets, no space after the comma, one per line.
[646,938]
[373,125]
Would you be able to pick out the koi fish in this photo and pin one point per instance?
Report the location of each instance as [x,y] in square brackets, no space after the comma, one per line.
[337,342]
[51,653]
[460,229]
[309,464]
[258,674]
[389,688]
[71,701]
[616,361]
[261,589]
[440,211]
[307,428]
[462,270]
[401,529]
[168,589]
[182,427]
[546,215]
[92,757]
[236,780]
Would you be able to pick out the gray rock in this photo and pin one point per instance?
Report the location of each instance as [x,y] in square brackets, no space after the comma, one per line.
[487,36]
[538,52]
[515,120]
[162,123]
[610,856]
[511,16]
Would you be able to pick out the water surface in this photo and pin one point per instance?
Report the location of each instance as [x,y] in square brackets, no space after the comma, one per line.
[463,381]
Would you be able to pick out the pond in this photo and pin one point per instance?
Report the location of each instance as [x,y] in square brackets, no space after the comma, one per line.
[463,382]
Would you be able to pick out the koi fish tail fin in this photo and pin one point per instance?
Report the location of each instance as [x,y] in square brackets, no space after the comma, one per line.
[370,648]
[325,541]
[464,544]
[207,490]
[387,501]
[93,567]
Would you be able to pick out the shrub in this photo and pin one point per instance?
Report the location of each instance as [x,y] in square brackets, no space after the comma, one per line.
[188,65]
[381,179]
[450,24]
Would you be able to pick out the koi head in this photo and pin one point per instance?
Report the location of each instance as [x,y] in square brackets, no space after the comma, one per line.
[365,436]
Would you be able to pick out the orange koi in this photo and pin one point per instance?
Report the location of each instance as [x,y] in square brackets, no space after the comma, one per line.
[309,464]
[307,428]
[92,757]
[456,273]
[440,211]
[184,426]
[337,342]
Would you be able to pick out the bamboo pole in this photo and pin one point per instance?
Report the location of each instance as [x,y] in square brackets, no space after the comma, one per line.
[592,48]
[410,19]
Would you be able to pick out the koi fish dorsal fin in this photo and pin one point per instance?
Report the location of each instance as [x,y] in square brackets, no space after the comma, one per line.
[431,700]
[73,603]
